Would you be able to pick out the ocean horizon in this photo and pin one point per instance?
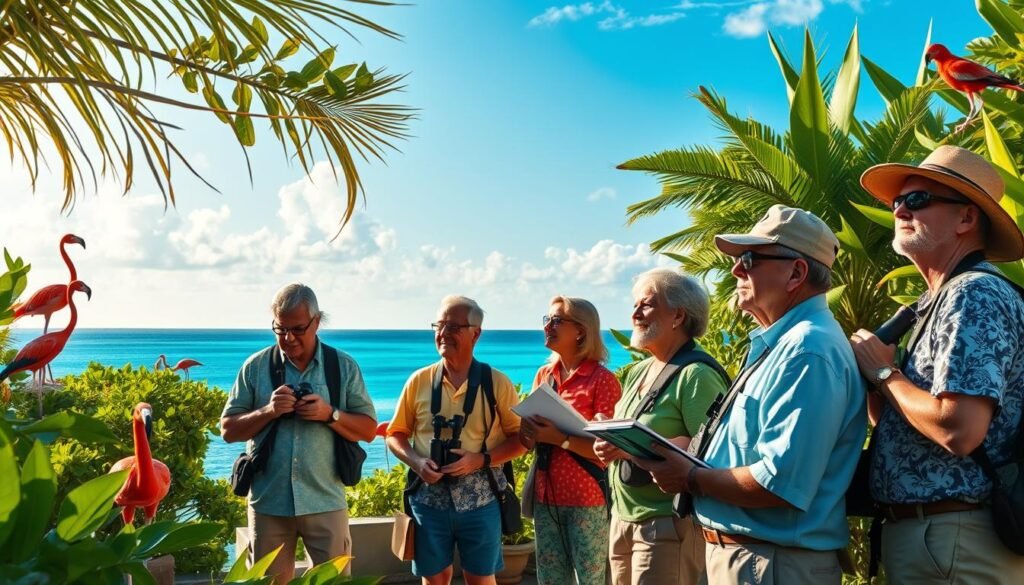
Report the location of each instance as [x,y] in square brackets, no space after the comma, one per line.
[386,357]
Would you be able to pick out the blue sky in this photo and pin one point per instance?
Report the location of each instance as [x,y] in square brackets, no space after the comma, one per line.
[506,191]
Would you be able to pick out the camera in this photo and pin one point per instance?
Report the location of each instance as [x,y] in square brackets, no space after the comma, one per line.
[633,475]
[301,390]
[441,449]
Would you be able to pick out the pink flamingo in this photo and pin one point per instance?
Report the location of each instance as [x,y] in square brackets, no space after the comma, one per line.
[39,352]
[149,479]
[184,365]
[50,299]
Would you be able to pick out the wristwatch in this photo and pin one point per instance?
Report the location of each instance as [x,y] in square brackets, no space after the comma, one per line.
[565,443]
[884,374]
[335,416]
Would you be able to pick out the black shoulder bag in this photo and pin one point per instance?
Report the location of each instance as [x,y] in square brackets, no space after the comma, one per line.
[508,501]
[633,475]
[245,467]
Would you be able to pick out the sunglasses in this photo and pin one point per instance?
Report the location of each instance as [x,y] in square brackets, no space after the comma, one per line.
[747,258]
[917,200]
[554,321]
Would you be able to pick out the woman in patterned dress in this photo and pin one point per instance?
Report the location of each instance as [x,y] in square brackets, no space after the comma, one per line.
[570,510]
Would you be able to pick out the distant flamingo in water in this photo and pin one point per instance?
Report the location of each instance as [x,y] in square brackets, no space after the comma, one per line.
[183,364]
[50,299]
[39,352]
[148,479]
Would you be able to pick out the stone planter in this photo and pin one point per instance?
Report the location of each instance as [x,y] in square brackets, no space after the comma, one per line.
[515,556]
[162,569]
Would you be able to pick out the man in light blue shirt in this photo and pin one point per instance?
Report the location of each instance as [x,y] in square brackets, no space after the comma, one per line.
[789,433]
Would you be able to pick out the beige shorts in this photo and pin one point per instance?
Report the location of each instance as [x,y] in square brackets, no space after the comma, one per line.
[324,536]
[659,550]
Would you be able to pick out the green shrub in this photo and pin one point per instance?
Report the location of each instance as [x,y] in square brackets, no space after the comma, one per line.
[184,416]
[379,494]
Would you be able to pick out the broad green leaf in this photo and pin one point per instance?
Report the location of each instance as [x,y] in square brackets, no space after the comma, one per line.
[677,257]
[214,52]
[88,556]
[1003,19]
[364,79]
[1001,158]
[238,570]
[39,489]
[214,100]
[72,425]
[314,69]
[10,488]
[86,507]
[849,239]
[345,71]
[808,120]
[335,86]
[903,299]
[887,85]
[907,271]
[288,48]
[140,574]
[189,80]
[926,141]
[260,567]
[835,296]
[1014,186]
[244,130]
[182,537]
[922,68]
[260,29]
[242,96]
[152,534]
[1013,270]
[844,94]
[789,75]
[294,81]
[882,217]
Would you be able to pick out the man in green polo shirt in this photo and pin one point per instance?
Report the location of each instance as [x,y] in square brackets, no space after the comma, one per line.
[297,493]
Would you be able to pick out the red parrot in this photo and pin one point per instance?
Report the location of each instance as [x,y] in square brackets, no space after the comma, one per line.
[148,479]
[967,77]
[184,365]
[39,352]
[50,299]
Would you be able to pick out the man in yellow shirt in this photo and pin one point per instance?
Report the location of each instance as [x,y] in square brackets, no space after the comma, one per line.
[455,504]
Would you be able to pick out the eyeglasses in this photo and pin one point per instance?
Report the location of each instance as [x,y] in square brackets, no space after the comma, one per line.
[554,321]
[917,200]
[747,258]
[295,331]
[453,327]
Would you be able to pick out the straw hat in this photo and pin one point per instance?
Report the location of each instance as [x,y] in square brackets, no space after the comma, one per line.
[793,228]
[965,172]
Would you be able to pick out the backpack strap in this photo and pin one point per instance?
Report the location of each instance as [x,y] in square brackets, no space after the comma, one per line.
[332,373]
[261,450]
[472,386]
[686,355]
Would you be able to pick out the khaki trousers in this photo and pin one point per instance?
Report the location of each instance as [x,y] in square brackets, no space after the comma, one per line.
[948,549]
[664,550]
[324,537]
[770,564]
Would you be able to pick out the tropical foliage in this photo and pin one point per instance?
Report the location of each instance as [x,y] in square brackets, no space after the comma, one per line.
[185,417]
[74,79]
[43,542]
[327,573]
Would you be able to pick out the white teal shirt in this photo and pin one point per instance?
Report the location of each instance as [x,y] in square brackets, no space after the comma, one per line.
[799,425]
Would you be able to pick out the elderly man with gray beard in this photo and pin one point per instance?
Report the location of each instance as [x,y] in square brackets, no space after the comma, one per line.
[952,406]
[648,544]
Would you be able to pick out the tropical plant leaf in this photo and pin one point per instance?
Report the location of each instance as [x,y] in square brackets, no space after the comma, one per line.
[87,507]
[72,425]
[908,271]
[10,488]
[1003,19]
[922,67]
[39,489]
[844,94]
[181,537]
[789,75]
[808,120]
[887,85]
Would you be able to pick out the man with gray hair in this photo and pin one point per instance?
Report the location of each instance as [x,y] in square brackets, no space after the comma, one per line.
[783,443]
[282,395]
[454,427]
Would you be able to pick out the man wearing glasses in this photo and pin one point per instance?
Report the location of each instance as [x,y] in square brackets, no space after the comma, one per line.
[297,492]
[454,457]
[955,400]
[783,444]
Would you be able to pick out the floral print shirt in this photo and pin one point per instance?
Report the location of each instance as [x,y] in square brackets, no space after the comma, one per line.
[973,345]
[469,492]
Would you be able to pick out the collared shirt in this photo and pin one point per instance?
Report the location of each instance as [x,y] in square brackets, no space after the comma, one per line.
[590,389]
[679,411]
[799,425]
[413,418]
[972,345]
[300,476]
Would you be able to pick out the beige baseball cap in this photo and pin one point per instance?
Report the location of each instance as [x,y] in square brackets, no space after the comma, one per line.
[793,228]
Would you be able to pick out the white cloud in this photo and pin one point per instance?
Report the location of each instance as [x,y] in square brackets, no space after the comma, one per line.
[602,193]
[615,16]
[755,19]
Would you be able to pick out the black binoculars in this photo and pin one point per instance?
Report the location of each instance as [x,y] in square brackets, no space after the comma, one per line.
[633,475]
[441,449]
[299,391]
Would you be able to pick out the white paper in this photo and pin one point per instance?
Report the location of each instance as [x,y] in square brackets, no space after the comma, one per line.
[544,401]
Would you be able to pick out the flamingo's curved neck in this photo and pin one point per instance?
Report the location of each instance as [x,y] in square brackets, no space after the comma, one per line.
[74,310]
[67,261]
[143,456]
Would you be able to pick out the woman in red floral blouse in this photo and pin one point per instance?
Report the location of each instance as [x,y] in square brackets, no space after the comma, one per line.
[570,511]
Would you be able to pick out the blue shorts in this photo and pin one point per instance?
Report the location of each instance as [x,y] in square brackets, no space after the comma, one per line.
[477,533]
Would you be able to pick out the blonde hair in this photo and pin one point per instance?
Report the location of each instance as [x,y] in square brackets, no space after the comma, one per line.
[584,314]
[680,291]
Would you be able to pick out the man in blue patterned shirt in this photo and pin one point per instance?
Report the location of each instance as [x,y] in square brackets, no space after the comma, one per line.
[962,383]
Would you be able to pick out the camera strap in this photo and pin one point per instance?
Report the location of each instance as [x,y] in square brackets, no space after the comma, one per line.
[686,355]
[718,409]
[472,386]
[261,450]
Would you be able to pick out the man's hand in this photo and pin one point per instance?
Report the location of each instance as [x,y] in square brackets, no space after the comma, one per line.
[313,407]
[427,470]
[604,450]
[282,402]
[468,463]
[541,430]
[872,355]
[669,475]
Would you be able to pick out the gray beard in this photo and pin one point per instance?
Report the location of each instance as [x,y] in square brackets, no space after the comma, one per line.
[640,337]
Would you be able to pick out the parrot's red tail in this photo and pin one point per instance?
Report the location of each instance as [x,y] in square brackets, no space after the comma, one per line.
[1013,86]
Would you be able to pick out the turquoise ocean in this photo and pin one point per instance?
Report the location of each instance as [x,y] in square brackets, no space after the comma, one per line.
[386,357]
